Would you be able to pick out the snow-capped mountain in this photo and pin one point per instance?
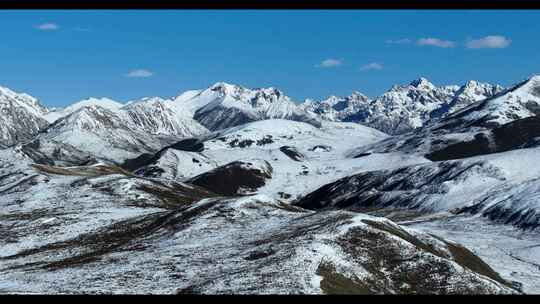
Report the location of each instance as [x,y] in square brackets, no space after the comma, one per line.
[402,108]
[225,105]
[103,102]
[503,122]
[21,117]
[522,101]
[105,133]
[154,115]
[111,130]
[472,91]
[189,114]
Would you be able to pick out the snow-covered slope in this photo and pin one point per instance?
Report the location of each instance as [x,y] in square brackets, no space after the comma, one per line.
[521,101]
[302,156]
[445,186]
[161,116]
[402,108]
[490,202]
[21,117]
[91,229]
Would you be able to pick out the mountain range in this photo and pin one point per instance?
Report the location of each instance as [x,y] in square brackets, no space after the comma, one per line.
[422,190]
[401,109]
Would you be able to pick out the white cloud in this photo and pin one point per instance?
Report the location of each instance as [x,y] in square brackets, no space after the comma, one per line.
[398,41]
[435,42]
[372,66]
[489,42]
[48,27]
[140,73]
[330,63]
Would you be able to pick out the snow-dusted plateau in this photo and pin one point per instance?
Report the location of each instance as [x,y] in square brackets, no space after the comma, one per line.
[422,190]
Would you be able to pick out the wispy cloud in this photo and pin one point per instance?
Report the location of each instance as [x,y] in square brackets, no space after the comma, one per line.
[436,42]
[47,27]
[330,63]
[371,66]
[141,73]
[398,41]
[489,42]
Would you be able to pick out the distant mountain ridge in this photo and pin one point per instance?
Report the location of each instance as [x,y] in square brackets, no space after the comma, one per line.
[402,108]
[222,105]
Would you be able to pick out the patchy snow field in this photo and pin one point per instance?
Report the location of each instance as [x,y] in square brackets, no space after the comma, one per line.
[512,252]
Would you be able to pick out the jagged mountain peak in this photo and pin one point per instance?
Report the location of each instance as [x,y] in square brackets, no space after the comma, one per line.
[474,84]
[422,83]
[270,93]
[234,105]
[239,92]
[473,91]
[225,88]
[22,99]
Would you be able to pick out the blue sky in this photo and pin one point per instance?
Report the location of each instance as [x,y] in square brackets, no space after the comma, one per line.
[64,56]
